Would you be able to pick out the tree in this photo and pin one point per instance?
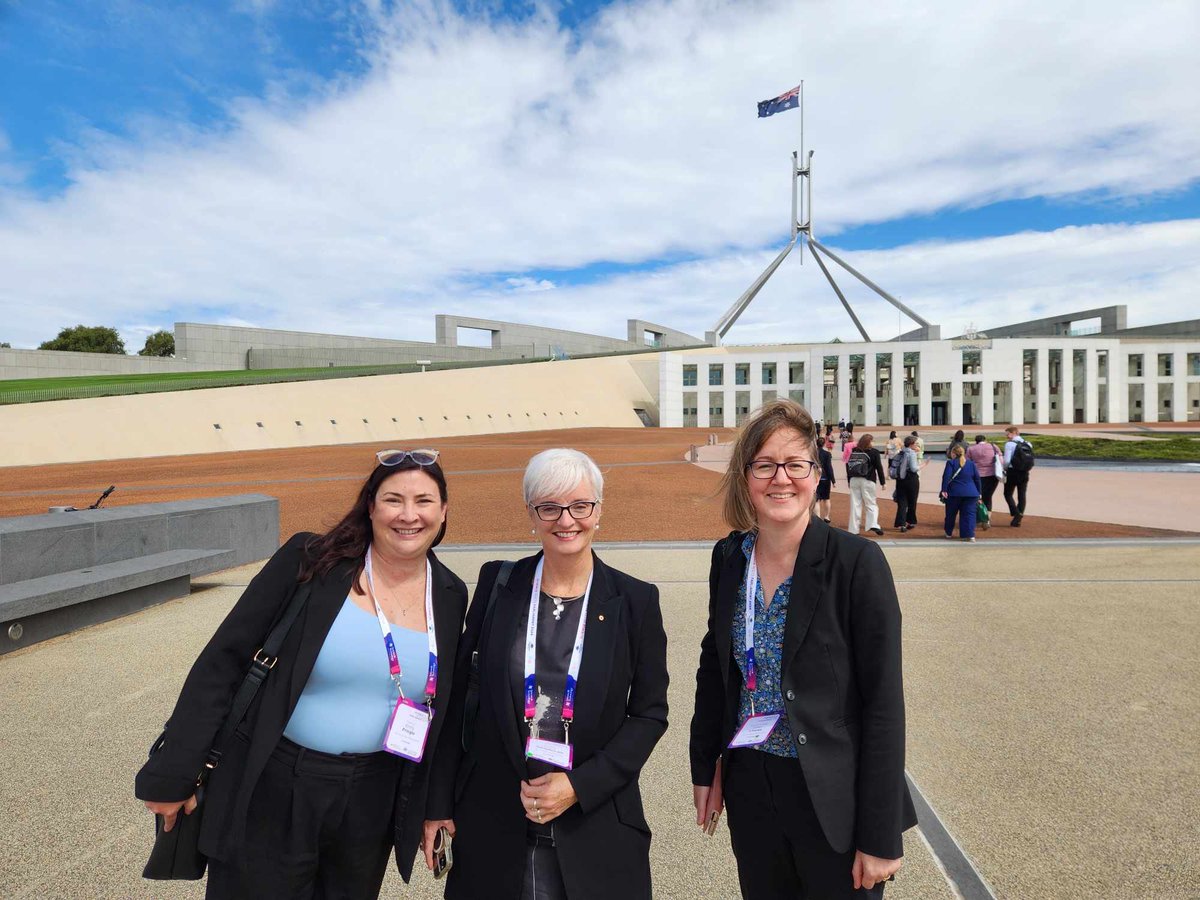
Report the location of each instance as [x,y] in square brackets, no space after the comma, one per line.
[87,339]
[5,344]
[161,343]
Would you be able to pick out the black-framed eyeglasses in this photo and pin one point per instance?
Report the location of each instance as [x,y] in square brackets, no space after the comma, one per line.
[552,512]
[765,469]
[395,457]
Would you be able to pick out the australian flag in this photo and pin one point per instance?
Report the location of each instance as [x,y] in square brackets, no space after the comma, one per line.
[790,100]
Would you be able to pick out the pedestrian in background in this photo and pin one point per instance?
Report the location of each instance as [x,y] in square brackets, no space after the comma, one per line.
[828,480]
[988,460]
[960,493]
[959,440]
[919,447]
[864,471]
[1018,460]
[908,486]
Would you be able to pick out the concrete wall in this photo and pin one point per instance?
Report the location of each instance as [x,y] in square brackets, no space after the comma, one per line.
[667,337]
[381,409]
[513,336]
[62,363]
[1112,318]
[227,346]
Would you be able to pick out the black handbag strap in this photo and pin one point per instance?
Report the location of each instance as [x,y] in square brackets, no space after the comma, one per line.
[260,667]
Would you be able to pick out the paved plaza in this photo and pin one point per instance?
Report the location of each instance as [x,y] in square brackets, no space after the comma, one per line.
[1052,698]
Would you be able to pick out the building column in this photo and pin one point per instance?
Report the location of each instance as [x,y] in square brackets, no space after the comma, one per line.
[954,415]
[870,391]
[924,391]
[1066,396]
[1017,395]
[1179,394]
[702,400]
[898,389]
[987,402]
[843,386]
[1091,387]
[1043,386]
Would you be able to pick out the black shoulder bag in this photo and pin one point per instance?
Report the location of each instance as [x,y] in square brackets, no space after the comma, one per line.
[471,706]
[176,854]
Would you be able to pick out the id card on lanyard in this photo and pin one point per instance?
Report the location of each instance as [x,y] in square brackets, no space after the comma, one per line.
[758,726]
[553,752]
[408,727]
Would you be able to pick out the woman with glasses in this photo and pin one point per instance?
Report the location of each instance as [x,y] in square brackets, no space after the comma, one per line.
[327,774]
[799,718]
[571,665]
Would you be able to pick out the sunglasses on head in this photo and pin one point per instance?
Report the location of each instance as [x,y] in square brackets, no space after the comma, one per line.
[395,457]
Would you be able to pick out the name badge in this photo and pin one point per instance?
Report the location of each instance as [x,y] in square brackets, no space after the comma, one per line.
[552,752]
[755,730]
[407,730]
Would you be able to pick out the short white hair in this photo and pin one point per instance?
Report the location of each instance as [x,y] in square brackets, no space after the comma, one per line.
[555,472]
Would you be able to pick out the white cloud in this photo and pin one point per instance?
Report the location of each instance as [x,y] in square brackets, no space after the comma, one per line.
[472,148]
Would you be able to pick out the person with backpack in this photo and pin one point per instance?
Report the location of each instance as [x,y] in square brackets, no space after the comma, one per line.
[892,450]
[908,485]
[864,468]
[959,440]
[1018,461]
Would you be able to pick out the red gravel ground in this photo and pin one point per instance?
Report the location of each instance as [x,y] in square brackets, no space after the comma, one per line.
[650,492]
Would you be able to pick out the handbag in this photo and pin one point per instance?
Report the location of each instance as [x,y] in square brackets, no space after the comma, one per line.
[176,853]
[942,499]
[471,703]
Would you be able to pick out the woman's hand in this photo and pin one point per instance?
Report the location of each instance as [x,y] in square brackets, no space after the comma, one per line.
[870,870]
[170,811]
[427,839]
[548,797]
[708,799]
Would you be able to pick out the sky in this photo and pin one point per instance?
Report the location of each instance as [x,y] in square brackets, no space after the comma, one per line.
[358,167]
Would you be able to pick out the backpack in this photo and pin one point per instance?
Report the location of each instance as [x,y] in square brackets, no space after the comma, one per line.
[894,466]
[858,465]
[1022,458]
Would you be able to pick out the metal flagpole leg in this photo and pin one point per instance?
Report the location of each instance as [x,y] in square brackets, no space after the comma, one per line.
[833,284]
[869,283]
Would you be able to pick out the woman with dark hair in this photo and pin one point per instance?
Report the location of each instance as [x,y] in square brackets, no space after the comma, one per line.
[327,774]
[959,440]
[799,718]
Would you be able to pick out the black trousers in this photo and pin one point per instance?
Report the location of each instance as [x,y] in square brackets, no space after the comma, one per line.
[1015,482]
[989,483]
[543,877]
[319,828]
[907,490]
[782,854]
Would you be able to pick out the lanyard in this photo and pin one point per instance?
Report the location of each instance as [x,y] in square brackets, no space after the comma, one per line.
[390,643]
[568,704]
[751,592]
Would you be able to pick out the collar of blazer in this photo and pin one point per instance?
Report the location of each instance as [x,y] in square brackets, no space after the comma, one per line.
[808,582]
[329,595]
[603,627]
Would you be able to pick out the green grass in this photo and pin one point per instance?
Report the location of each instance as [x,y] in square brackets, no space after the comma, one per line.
[1169,448]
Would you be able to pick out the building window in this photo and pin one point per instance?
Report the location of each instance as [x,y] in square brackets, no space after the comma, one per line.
[768,373]
[768,396]
[716,374]
[741,406]
[689,375]
[1135,365]
[797,396]
[795,373]
[741,373]
[972,362]
[1193,363]
[1166,364]
[1101,363]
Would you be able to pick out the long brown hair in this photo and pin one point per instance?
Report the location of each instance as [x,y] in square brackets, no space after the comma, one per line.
[349,538]
[782,413]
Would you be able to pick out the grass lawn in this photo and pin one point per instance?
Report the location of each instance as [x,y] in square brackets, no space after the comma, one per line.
[177,378]
[1168,447]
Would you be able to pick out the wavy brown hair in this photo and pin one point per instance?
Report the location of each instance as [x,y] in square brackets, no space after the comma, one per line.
[736,506]
[349,538]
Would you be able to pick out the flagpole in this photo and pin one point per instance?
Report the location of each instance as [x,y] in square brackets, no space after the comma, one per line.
[796,176]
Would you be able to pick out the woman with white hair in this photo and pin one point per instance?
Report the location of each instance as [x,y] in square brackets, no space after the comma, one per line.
[562,686]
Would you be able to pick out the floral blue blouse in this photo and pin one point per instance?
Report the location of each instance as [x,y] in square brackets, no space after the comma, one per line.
[769,623]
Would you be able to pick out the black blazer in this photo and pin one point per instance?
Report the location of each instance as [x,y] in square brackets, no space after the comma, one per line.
[842,682]
[207,693]
[603,841]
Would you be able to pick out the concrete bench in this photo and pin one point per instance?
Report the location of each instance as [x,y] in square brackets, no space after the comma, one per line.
[64,571]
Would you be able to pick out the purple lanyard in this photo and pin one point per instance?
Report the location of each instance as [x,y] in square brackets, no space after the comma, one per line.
[390,644]
[568,704]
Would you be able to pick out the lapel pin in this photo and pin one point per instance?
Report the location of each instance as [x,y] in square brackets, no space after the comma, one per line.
[601,617]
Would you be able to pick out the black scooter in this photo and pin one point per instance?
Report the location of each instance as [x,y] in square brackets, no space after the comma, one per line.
[96,505]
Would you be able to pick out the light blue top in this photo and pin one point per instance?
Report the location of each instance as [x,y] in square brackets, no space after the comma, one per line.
[350,695]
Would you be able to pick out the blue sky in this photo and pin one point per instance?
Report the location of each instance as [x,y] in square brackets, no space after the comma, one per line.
[358,167]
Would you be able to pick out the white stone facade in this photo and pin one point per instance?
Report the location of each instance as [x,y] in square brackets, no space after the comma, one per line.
[1035,381]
